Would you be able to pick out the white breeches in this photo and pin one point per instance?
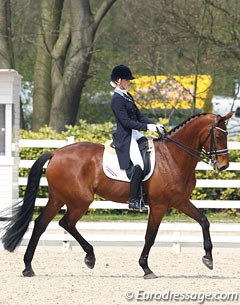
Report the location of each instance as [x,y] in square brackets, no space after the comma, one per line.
[135,154]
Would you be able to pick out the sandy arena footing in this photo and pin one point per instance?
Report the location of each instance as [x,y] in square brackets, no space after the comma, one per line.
[63,278]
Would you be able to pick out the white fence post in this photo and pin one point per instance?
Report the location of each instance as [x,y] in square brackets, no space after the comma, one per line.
[70,140]
[66,243]
[176,242]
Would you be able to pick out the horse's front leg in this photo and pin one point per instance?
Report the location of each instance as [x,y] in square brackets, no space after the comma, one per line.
[207,243]
[154,220]
[189,209]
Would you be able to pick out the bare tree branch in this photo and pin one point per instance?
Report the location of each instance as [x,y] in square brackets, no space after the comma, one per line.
[102,11]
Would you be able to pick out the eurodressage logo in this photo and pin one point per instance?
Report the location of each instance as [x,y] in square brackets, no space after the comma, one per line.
[199,297]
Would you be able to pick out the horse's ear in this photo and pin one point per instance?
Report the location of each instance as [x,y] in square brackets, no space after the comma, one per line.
[225,118]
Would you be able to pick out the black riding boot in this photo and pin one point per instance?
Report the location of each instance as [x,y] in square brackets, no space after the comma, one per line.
[134,201]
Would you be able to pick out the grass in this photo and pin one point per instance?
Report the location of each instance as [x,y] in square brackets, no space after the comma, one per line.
[125,215]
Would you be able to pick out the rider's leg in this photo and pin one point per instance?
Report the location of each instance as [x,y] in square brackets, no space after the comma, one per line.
[134,202]
[136,158]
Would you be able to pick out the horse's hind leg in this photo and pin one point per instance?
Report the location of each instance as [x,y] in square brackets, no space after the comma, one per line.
[68,222]
[40,226]
[189,209]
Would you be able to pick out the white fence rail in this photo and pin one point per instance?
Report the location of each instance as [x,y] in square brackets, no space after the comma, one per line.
[176,234]
[122,233]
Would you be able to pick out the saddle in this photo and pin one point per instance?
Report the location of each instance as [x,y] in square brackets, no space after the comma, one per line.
[111,166]
[145,153]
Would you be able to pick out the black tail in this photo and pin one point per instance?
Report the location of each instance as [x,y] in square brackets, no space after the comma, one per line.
[22,215]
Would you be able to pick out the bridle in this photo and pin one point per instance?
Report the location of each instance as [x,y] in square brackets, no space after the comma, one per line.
[210,155]
[213,153]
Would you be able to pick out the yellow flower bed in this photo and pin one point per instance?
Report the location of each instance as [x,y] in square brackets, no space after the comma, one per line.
[172,91]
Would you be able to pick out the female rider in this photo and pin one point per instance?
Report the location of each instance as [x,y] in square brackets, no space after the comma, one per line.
[129,122]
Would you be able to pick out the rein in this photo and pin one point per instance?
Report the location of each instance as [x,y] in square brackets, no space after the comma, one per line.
[193,152]
[201,155]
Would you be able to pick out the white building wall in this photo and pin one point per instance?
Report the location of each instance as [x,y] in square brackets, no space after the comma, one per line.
[10,83]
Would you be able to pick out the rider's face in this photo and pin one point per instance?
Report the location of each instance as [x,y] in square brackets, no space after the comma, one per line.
[124,83]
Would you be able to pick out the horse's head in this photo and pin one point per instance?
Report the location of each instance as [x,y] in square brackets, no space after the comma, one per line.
[215,143]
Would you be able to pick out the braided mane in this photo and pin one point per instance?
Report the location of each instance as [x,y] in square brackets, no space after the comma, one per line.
[185,122]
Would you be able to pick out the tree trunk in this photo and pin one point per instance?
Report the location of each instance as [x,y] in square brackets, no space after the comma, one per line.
[6,46]
[48,33]
[68,89]
[63,60]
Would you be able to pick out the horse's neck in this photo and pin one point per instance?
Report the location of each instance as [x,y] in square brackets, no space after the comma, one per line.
[189,137]
[189,134]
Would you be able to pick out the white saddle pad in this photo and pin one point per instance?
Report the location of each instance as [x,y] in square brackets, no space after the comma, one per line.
[111,166]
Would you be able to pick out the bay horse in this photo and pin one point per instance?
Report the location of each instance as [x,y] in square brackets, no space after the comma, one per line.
[74,174]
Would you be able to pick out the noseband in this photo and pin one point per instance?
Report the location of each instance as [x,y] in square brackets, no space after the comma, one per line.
[213,153]
[210,155]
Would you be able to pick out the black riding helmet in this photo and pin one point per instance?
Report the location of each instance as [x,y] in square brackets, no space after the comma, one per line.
[122,72]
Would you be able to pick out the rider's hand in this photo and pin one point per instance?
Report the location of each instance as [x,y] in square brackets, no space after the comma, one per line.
[161,129]
[152,127]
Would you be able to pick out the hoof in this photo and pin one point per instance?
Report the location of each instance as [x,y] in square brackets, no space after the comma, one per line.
[90,261]
[150,276]
[28,273]
[208,262]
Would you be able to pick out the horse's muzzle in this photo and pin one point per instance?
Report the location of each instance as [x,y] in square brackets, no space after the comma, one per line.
[218,165]
[222,168]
